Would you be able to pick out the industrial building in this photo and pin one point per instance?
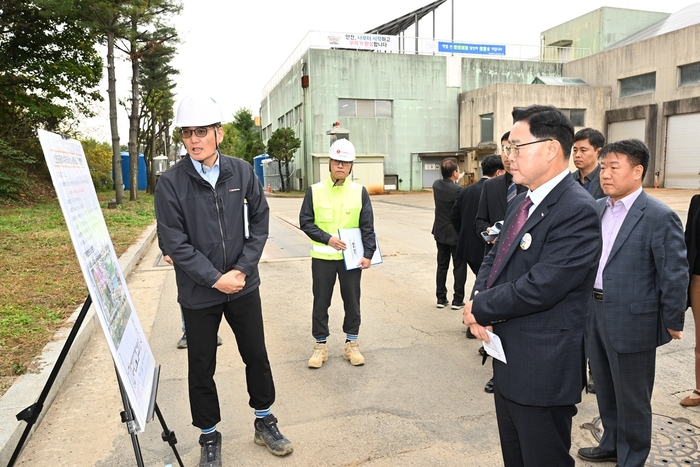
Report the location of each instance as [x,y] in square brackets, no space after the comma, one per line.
[406,103]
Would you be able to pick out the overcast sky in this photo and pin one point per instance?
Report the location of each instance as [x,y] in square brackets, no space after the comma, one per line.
[232,49]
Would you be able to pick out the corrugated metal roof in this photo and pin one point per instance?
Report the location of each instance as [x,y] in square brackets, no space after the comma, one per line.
[688,16]
[397,26]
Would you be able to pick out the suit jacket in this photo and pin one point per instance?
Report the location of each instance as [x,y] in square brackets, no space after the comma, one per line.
[645,279]
[470,245]
[594,188]
[444,193]
[692,232]
[539,300]
[493,205]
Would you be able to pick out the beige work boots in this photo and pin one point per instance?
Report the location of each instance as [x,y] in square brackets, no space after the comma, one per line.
[352,353]
[319,356]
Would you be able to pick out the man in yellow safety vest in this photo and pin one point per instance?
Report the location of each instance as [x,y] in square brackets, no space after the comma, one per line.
[337,203]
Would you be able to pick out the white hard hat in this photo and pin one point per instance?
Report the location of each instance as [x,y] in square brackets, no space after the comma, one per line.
[195,110]
[342,150]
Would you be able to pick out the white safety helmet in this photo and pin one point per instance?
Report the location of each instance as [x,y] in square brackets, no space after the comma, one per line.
[342,150]
[197,110]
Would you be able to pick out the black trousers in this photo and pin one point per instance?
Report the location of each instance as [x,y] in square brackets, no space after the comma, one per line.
[534,436]
[323,274]
[244,315]
[459,269]
[624,383]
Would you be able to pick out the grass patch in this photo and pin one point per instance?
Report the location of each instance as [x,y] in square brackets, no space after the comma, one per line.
[40,279]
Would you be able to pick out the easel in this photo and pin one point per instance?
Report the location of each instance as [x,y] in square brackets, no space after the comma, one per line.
[31,413]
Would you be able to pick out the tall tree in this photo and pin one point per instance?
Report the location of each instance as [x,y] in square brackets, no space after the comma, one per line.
[49,73]
[282,145]
[146,29]
[249,141]
[157,110]
[106,18]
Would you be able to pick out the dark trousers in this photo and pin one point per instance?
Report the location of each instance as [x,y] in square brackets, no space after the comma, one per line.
[534,436]
[323,274]
[623,386]
[459,269]
[244,315]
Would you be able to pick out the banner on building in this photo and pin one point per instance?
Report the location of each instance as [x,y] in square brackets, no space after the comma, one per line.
[475,49]
[374,42]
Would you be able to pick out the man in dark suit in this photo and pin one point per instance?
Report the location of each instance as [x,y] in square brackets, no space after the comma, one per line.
[587,145]
[445,193]
[534,289]
[639,301]
[496,195]
[470,246]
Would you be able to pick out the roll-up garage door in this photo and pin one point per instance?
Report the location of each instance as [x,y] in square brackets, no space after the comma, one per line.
[682,160]
[626,130]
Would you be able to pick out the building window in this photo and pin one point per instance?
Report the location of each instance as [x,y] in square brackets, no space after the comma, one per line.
[690,74]
[635,85]
[280,122]
[577,116]
[367,108]
[486,128]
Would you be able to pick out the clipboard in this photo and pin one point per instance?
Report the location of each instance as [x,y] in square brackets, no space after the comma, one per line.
[355,249]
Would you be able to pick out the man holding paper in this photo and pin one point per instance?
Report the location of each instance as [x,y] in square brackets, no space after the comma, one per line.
[534,289]
[333,204]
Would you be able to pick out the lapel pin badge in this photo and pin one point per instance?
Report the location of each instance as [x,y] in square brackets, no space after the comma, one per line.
[526,241]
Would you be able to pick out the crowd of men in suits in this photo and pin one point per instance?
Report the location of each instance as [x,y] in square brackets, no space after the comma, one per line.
[583,265]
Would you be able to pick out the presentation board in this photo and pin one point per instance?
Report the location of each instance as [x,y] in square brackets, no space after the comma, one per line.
[127,342]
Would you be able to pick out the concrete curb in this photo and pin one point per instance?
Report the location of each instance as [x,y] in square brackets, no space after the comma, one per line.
[27,389]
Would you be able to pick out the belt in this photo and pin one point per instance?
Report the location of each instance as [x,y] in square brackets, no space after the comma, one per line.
[598,294]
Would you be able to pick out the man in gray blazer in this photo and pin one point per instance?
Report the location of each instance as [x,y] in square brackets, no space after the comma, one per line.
[639,300]
[534,289]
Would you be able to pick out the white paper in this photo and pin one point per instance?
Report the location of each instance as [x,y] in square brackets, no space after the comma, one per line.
[355,250]
[494,347]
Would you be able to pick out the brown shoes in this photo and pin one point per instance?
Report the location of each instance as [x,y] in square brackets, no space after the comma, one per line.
[691,401]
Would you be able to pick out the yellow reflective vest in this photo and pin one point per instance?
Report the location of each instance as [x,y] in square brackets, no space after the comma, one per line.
[335,207]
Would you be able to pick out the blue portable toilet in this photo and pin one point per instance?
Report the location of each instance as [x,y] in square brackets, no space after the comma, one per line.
[141,178]
[257,166]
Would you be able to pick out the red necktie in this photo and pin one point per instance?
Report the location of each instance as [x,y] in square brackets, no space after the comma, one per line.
[511,235]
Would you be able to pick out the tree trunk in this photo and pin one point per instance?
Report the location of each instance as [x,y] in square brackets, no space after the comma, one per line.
[134,118]
[152,172]
[279,164]
[286,168]
[112,93]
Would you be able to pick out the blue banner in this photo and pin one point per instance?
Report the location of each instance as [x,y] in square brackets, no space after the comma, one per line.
[478,49]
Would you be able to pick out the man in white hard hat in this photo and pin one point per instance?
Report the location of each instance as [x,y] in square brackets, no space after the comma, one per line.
[337,203]
[214,219]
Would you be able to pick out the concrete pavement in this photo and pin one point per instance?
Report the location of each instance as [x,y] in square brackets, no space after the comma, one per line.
[418,401]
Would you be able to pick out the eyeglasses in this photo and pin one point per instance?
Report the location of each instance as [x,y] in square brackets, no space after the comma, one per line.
[515,148]
[340,163]
[199,132]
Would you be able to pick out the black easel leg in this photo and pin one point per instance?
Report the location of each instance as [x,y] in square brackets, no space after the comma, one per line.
[128,418]
[168,436]
[31,413]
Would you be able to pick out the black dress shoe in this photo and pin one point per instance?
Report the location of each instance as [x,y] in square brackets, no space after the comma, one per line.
[489,386]
[482,351]
[595,454]
[470,335]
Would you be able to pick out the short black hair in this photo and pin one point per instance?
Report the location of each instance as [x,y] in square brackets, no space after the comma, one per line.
[593,136]
[635,150]
[505,136]
[546,121]
[448,166]
[491,164]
